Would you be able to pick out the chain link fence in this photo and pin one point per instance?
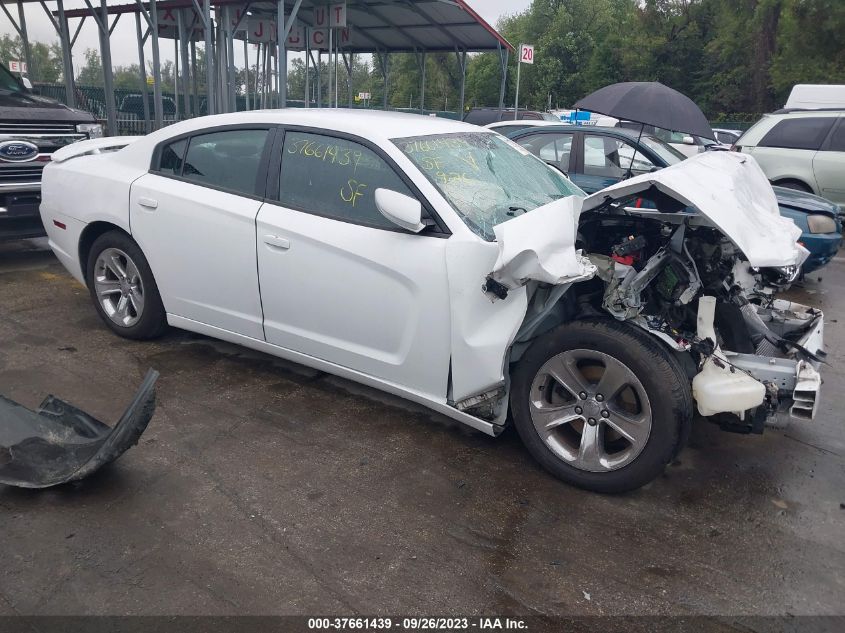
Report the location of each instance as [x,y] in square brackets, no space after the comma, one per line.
[131,119]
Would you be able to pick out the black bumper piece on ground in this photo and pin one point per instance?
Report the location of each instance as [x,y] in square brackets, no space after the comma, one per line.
[59,443]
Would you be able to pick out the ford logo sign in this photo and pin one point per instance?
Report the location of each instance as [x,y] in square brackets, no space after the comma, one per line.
[18,151]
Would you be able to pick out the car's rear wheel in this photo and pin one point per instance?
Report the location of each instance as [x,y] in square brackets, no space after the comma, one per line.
[123,288]
[601,405]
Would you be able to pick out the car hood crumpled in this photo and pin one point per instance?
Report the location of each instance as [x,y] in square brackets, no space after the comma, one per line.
[731,191]
[540,246]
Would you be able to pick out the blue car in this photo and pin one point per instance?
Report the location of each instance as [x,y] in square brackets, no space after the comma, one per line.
[597,157]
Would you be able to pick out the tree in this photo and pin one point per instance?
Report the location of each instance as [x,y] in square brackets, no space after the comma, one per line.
[46,58]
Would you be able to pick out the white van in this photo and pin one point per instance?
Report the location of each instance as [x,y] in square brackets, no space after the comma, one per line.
[816,97]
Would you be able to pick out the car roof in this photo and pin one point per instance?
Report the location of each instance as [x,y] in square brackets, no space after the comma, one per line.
[371,124]
[607,131]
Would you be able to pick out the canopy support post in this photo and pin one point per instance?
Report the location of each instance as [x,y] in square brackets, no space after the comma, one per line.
[462,64]
[143,72]
[503,60]
[183,53]
[67,58]
[27,52]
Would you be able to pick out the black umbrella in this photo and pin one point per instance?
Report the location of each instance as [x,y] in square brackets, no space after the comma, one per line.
[649,103]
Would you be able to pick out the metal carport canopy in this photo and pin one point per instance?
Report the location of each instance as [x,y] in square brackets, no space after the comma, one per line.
[379,27]
[389,26]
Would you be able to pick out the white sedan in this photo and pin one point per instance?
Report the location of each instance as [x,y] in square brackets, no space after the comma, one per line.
[446,264]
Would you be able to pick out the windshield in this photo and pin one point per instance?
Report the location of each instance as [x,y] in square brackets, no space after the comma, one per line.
[487,178]
[8,82]
[665,151]
[548,116]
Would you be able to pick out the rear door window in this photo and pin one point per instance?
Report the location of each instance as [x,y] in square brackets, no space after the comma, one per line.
[798,133]
[335,178]
[171,158]
[226,160]
[552,148]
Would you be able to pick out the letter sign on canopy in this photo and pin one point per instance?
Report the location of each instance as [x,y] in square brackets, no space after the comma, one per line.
[337,14]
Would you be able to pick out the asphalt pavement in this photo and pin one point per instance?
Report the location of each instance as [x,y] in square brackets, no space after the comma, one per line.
[263,487]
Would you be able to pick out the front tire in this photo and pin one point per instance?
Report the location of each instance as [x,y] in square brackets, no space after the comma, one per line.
[123,289]
[601,405]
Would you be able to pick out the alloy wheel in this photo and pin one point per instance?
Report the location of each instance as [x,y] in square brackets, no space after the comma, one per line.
[119,287]
[591,410]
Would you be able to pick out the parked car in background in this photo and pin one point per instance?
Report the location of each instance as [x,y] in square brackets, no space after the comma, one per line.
[484,116]
[801,149]
[595,158]
[816,97]
[32,127]
[506,127]
[132,106]
[437,261]
[727,137]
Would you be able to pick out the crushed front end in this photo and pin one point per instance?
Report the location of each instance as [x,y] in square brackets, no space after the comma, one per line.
[702,276]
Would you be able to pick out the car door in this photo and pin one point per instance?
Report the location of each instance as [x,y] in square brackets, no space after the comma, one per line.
[193,216]
[829,165]
[553,147]
[339,281]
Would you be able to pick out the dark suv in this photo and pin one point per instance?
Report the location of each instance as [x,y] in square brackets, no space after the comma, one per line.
[31,129]
[485,116]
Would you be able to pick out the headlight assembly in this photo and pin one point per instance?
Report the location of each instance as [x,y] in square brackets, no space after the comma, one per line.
[821,223]
[93,130]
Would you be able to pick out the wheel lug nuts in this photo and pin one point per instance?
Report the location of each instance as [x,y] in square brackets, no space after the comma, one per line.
[591,421]
[605,414]
[583,395]
[579,410]
[599,397]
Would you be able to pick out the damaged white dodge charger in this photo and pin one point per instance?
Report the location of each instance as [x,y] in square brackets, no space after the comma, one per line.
[445,264]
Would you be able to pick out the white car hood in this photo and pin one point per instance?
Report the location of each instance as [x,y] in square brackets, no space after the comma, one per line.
[540,245]
[731,191]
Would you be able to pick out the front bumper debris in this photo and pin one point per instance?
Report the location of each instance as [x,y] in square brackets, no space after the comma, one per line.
[59,443]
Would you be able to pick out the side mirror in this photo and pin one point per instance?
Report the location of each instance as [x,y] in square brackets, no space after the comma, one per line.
[402,210]
[688,140]
[26,83]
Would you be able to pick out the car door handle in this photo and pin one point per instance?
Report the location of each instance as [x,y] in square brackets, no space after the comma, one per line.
[148,202]
[277,242]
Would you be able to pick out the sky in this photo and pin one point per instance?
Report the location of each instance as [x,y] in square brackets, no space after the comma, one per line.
[124,47]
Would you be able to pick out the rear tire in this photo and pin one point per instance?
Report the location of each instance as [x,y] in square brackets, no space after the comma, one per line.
[601,405]
[123,288]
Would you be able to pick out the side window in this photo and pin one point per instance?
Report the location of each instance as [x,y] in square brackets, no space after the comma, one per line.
[611,158]
[837,140]
[171,158]
[552,148]
[229,159]
[335,178]
[630,158]
[798,133]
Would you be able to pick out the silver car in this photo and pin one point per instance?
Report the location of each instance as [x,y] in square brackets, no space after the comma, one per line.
[802,150]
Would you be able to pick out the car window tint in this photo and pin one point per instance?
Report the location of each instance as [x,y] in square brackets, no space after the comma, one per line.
[229,160]
[798,133]
[171,158]
[336,178]
[837,139]
[552,148]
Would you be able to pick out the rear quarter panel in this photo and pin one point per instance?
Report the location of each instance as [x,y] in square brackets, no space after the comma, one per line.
[80,191]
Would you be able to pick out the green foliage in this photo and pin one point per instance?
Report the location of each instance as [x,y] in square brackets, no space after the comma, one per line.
[730,56]
[46,58]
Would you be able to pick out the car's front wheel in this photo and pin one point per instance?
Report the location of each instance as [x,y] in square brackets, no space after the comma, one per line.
[601,405]
[123,288]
